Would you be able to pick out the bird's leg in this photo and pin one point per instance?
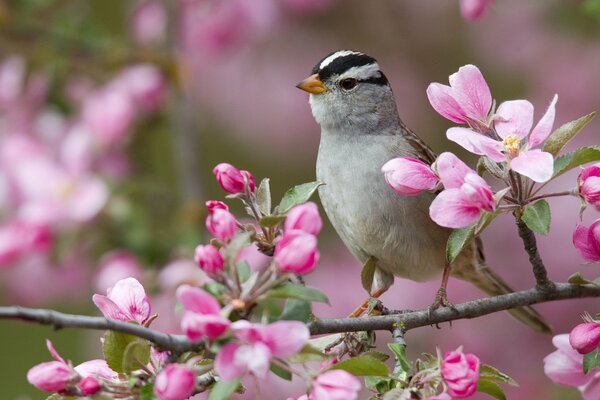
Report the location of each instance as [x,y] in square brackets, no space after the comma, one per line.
[441,298]
[365,304]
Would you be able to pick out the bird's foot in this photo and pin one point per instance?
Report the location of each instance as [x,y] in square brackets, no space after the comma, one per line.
[365,304]
[441,300]
[383,310]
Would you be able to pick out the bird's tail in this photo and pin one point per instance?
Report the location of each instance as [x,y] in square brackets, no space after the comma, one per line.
[470,266]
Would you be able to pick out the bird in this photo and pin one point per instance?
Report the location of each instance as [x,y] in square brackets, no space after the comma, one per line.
[352,101]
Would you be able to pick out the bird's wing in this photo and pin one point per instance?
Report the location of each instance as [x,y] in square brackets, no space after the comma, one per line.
[422,151]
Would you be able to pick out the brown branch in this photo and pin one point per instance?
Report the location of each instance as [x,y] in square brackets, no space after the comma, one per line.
[405,321]
[530,244]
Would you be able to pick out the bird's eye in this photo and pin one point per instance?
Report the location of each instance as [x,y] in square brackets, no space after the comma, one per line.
[348,83]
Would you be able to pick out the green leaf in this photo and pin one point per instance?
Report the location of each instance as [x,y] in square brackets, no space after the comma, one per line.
[490,373]
[491,388]
[363,366]
[578,279]
[296,310]
[243,270]
[240,241]
[308,353]
[147,392]
[458,240]
[263,197]
[485,164]
[223,390]
[563,135]
[591,361]
[297,195]
[367,274]
[537,217]
[114,347]
[296,291]
[281,372]
[401,358]
[325,341]
[575,158]
[378,355]
[270,221]
[379,383]
[136,355]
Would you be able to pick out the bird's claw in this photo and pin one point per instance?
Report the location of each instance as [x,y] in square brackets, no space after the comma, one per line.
[441,300]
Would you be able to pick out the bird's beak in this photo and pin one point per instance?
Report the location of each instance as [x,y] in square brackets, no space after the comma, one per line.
[312,85]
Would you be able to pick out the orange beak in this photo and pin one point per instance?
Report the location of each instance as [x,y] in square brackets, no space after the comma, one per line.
[312,85]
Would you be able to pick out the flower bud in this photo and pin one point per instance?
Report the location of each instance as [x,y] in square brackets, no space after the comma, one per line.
[221,224]
[589,185]
[409,176]
[214,204]
[461,373]
[587,241]
[585,337]
[209,259]
[231,179]
[304,217]
[297,252]
[175,382]
[51,376]
[89,386]
[335,384]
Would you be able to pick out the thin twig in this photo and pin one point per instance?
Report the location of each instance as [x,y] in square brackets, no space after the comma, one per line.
[530,244]
[543,196]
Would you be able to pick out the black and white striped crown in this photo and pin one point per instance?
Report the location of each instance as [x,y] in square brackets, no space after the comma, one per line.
[352,64]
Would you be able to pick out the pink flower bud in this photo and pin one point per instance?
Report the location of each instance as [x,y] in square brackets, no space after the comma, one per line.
[148,23]
[51,376]
[175,382]
[409,176]
[587,241]
[461,373]
[297,252]
[231,179]
[89,386]
[125,301]
[209,259]
[473,10]
[589,185]
[585,337]
[221,224]
[334,385]
[202,317]
[304,217]
[214,204]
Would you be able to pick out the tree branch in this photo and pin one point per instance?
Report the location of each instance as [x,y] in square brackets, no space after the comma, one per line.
[406,321]
[530,244]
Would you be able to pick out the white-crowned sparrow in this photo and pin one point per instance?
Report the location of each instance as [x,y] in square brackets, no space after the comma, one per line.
[360,131]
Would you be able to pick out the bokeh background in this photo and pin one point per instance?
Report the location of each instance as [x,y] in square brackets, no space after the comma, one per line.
[118,110]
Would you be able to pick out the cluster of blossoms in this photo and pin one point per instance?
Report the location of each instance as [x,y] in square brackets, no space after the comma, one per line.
[56,169]
[509,144]
[575,362]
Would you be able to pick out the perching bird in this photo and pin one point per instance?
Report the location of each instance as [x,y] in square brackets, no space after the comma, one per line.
[360,131]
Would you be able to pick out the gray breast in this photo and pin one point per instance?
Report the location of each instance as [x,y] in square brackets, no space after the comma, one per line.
[369,217]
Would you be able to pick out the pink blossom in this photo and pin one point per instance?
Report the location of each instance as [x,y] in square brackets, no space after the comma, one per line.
[513,122]
[149,22]
[466,194]
[232,180]
[175,382]
[589,185]
[96,369]
[89,386]
[473,10]
[180,271]
[212,205]
[221,224]
[202,317]
[109,113]
[12,79]
[125,301]
[565,365]
[587,241]
[19,238]
[461,373]
[117,265]
[409,176]
[468,98]
[335,385]
[209,259]
[297,252]
[585,337]
[52,376]
[304,217]
[144,84]
[258,344]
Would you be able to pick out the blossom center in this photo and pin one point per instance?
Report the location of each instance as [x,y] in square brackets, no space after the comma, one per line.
[511,145]
[64,189]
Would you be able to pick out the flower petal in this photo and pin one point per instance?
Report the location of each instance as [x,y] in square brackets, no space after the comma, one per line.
[477,143]
[441,99]
[544,126]
[408,176]
[285,338]
[129,295]
[197,300]
[224,363]
[535,164]
[516,118]
[451,170]
[584,246]
[109,309]
[53,352]
[471,92]
[451,210]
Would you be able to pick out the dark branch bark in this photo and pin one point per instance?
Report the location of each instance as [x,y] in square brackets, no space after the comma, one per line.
[406,321]
[530,244]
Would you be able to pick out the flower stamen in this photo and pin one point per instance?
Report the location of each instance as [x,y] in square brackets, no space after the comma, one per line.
[512,145]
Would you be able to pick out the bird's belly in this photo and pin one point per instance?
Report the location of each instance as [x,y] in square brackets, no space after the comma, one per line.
[372,220]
